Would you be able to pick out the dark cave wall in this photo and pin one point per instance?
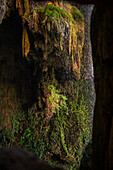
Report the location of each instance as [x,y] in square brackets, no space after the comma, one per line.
[17,84]
[102,42]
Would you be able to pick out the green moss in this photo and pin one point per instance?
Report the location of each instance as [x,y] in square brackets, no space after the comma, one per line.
[77,15]
[80,36]
[56,12]
[40,10]
[51,11]
[11,116]
[44,135]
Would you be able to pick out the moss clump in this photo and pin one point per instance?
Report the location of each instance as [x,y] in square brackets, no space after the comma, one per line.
[77,15]
[56,12]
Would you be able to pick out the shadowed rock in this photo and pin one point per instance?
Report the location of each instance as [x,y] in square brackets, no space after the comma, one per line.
[19,159]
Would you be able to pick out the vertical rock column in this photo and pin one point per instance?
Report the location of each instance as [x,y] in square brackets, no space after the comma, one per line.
[2,9]
[102,49]
[88,63]
[87,71]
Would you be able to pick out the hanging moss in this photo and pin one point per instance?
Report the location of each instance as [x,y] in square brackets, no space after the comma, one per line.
[24,12]
[24,9]
[54,17]
[25,42]
[77,14]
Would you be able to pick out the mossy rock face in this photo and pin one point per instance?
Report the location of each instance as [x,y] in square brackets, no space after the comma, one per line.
[60,31]
[58,34]
[50,98]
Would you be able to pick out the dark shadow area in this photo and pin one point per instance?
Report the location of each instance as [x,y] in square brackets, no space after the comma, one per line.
[14,69]
[86,161]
